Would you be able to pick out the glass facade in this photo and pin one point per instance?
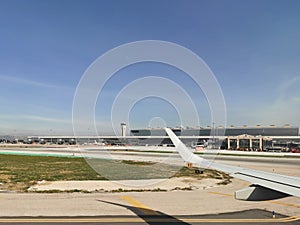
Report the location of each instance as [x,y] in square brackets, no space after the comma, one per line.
[231,131]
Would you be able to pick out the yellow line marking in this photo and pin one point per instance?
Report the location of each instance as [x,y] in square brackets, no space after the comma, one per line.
[292,218]
[140,206]
[218,193]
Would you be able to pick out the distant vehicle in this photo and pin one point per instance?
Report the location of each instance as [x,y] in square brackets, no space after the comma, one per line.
[274,149]
[42,142]
[60,141]
[72,142]
[199,148]
[295,150]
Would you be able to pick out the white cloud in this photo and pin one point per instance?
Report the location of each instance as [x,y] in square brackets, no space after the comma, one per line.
[34,118]
[28,82]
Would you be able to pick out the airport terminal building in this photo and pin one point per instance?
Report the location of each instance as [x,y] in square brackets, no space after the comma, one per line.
[229,131]
[242,138]
[245,138]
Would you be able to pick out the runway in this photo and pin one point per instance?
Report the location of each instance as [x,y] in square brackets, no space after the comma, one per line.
[126,209]
[225,219]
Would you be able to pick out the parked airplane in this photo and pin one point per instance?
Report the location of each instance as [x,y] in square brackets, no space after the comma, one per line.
[265,186]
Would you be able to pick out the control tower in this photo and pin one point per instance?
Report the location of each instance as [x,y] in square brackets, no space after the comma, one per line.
[123,129]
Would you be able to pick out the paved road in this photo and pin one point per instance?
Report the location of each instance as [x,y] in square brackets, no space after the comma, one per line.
[255,217]
[136,155]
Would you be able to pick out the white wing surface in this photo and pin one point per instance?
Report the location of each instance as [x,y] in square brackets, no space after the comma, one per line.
[265,186]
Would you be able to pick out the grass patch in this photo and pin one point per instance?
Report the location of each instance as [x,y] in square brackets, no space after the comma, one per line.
[207,173]
[60,191]
[19,172]
[120,190]
[139,163]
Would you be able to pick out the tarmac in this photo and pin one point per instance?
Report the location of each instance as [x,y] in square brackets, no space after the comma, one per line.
[214,205]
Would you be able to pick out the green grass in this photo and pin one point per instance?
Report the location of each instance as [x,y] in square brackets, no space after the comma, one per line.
[18,172]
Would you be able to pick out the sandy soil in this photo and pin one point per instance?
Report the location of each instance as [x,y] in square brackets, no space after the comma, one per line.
[181,183]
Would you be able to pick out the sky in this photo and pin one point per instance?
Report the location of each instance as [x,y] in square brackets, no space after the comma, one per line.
[252,48]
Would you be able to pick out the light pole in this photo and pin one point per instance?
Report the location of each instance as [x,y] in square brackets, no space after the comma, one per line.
[213,130]
[50,136]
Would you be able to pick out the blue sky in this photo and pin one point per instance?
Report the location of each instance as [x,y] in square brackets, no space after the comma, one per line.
[253,48]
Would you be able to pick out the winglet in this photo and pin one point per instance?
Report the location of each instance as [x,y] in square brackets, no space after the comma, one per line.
[183,151]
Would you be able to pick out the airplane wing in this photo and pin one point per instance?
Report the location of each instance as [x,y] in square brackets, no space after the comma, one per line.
[265,186]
